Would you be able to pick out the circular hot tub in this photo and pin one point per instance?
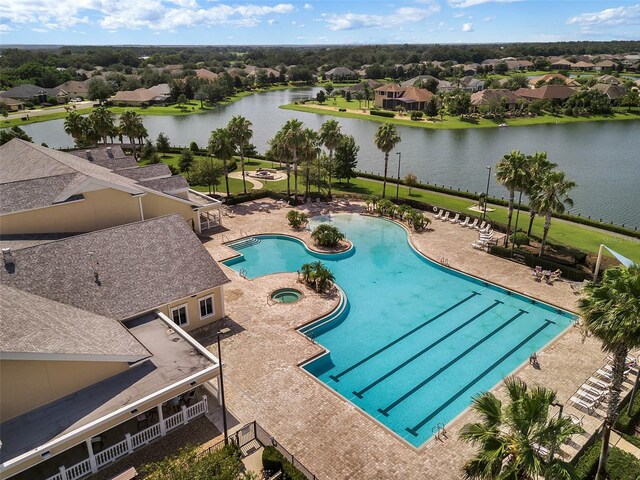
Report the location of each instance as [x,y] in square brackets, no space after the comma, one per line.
[286,295]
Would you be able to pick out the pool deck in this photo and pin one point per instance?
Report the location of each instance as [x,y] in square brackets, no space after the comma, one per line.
[330,436]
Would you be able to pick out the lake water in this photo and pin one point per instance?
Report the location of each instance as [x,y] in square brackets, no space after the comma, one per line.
[602,157]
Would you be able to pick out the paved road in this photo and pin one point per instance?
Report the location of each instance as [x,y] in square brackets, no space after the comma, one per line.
[42,111]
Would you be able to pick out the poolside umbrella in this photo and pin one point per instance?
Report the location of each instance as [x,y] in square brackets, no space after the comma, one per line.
[622,259]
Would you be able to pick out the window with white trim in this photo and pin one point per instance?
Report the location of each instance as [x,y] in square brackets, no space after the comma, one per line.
[206,306]
[179,315]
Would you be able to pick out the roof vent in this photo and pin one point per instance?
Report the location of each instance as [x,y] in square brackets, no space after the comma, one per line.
[9,262]
[88,155]
[109,153]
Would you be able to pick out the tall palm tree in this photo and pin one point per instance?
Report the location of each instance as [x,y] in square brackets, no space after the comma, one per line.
[102,120]
[514,438]
[130,123]
[293,137]
[538,166]
[386,139]
[221,146]
[512,173]
[610,311]
[309,151]
[551,197]
[240,130]
[75,125]
[278,150]
[329,136]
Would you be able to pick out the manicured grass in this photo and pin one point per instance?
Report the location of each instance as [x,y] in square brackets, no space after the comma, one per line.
[6,123]
[454,122]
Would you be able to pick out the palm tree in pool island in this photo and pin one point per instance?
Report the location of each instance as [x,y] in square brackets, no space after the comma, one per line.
[551,196]
[240,130]
[611,312]
[221,146]
[386,139]
[329,136]
[517,440]
[511,172]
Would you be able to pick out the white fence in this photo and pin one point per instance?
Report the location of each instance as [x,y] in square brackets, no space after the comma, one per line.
[130,443]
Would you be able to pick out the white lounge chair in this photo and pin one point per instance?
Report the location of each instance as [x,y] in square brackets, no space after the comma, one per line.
[588,396]
[482,225]
[597,392]
[599,383]
[439,214]
[455,219]
[466,222]
[487,228]
[446,217]
[581,403]
[474,224]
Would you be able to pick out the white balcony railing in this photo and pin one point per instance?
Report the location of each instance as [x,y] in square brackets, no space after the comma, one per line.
[131,443]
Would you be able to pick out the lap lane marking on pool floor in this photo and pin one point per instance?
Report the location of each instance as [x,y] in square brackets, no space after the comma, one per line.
[400,338]
[385,411]
[414,430]
[361,392]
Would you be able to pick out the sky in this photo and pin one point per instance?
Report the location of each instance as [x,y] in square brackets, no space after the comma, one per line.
[260,22]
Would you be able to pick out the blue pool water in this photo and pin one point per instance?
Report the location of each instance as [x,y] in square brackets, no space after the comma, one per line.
[416,340]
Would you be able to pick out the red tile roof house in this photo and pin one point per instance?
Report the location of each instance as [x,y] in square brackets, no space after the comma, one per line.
[570,82]
[494,96]
[561,64]
[391,96]
[558,93]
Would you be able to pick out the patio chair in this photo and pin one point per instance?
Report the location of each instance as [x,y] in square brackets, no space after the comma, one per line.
[474,224]
[466,222]
[596,399]
[455,219]
[598,382]
[579,403]
[482,225]
[487,228]
[597,392]
[574,418]
[446,217]
[439,214]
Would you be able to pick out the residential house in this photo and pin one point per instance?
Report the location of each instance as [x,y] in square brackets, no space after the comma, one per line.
[340,74]
[387,92]
[410,98]
[419,81]
[614,92]
[76,88]
[162,90]
[605,65]
[558,93]
[252,71]
[470,69]
[553,77]
[138,97]
[46,191]
[492,97]
[583,66]
[33,93]
[609,79]
[359,87]
[204,74]
[96,361]
[12,104]
[470,84]
[561,64]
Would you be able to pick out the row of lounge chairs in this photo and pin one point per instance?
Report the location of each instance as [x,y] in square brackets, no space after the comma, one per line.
[467,222]
[594,391]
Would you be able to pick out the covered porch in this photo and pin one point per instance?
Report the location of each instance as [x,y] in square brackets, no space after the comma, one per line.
[209,211]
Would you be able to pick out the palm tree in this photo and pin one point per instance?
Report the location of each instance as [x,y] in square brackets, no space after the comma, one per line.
[102,120]
[610,311]
[517,440]
[221,146]
[329,136]
[551,197]
[74,125]
[386,139]
[293,136]
[240,130]
[278,150]
[538,166]
[308,152]
[512,173]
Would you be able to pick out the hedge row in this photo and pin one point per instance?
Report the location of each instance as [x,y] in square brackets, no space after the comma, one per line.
[533,261]
[382,113]
[627,423]
[620,465]
[236,199]
[588,462]
[273,461]
[498,201]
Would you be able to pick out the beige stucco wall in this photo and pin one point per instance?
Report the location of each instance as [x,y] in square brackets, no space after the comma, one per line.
[100,209]
[28,384]
[193,308]
[157,206]
[104,426]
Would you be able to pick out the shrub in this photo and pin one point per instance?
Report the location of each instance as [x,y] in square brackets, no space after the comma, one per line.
[273,461]
[317,275]
[626,423]
[342,109]
[519,238]
[416,115]
[327,235]
[193,146]
[588,461]
[533,261]
[418,221]
[297,219]
[382,113]
[622,465]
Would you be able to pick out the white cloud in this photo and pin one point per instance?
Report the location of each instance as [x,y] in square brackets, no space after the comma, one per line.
[458,14]
[113,15]
[467,27]
[400,17]
[308,6]
[611,16]
[473,3]
[39,30]
[490,18]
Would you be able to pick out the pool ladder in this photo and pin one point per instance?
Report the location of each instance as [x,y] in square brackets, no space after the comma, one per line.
[439,431]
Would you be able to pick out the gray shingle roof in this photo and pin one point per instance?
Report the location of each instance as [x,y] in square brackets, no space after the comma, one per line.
[146,172]
[42,326]
[34,193]
[27,91]
[111,157]
[141,266]
[176,182]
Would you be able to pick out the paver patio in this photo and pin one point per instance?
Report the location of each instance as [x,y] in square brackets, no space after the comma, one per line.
[329,435]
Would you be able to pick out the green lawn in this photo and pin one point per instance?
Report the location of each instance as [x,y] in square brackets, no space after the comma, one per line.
[6,123]
[453,122]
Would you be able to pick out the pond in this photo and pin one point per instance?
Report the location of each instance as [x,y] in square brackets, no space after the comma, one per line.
[602,157]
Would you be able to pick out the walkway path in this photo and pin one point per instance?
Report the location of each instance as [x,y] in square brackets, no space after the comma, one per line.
[257,185]
[622,444]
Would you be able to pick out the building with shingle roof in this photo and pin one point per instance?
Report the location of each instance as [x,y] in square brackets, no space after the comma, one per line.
[30,92]
[613,91]
[204,74]
[494,96]
[98,338]
[138,97]
[553,77]
[48,191]
[341,73]
[546,92]
[605,65]
[76,88]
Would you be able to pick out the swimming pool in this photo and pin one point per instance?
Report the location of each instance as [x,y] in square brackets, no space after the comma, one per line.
[415,340]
